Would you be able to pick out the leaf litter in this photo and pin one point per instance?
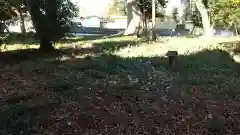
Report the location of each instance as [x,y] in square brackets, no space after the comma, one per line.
[103,98]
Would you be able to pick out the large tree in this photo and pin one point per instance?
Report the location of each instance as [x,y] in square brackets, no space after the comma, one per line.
[133,17]
[201,5]
[52,19]
[138,12]
[202,13]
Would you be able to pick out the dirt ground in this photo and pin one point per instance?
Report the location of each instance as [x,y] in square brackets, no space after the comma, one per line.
[110,94]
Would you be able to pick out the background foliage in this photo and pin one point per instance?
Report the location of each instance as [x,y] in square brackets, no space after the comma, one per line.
[225,13]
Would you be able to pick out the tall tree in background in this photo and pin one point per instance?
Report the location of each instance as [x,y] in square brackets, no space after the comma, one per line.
[12,10]
[19,6]
[225,14]
[201,7]
[133,17]
[52,19]
[138,12]
[200,16]
[6,14]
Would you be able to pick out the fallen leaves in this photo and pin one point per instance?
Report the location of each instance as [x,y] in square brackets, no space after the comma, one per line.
[131,98]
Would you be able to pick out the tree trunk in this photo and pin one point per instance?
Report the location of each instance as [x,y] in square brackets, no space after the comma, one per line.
[133,18]
[208,31]
[1,27]
[22,23]
[46,45]
[145,27]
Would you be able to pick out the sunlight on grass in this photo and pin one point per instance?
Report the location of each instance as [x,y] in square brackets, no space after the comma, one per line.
[130,46]
[122,38]
[66,42]
[184,46]
[5,48]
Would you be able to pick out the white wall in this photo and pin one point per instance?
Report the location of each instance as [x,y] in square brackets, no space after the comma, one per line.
[119,22]
[93,7]
[91,22]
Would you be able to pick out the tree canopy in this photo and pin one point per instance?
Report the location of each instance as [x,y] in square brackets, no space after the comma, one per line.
[225,13]
[7,11]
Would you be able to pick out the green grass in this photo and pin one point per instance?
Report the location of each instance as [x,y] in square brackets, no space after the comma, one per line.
[129,89]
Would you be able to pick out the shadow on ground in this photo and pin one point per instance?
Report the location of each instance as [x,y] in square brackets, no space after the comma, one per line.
[108,94]
[112,46]
[17,38]
[67,51]
[30,38]
[75,39]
